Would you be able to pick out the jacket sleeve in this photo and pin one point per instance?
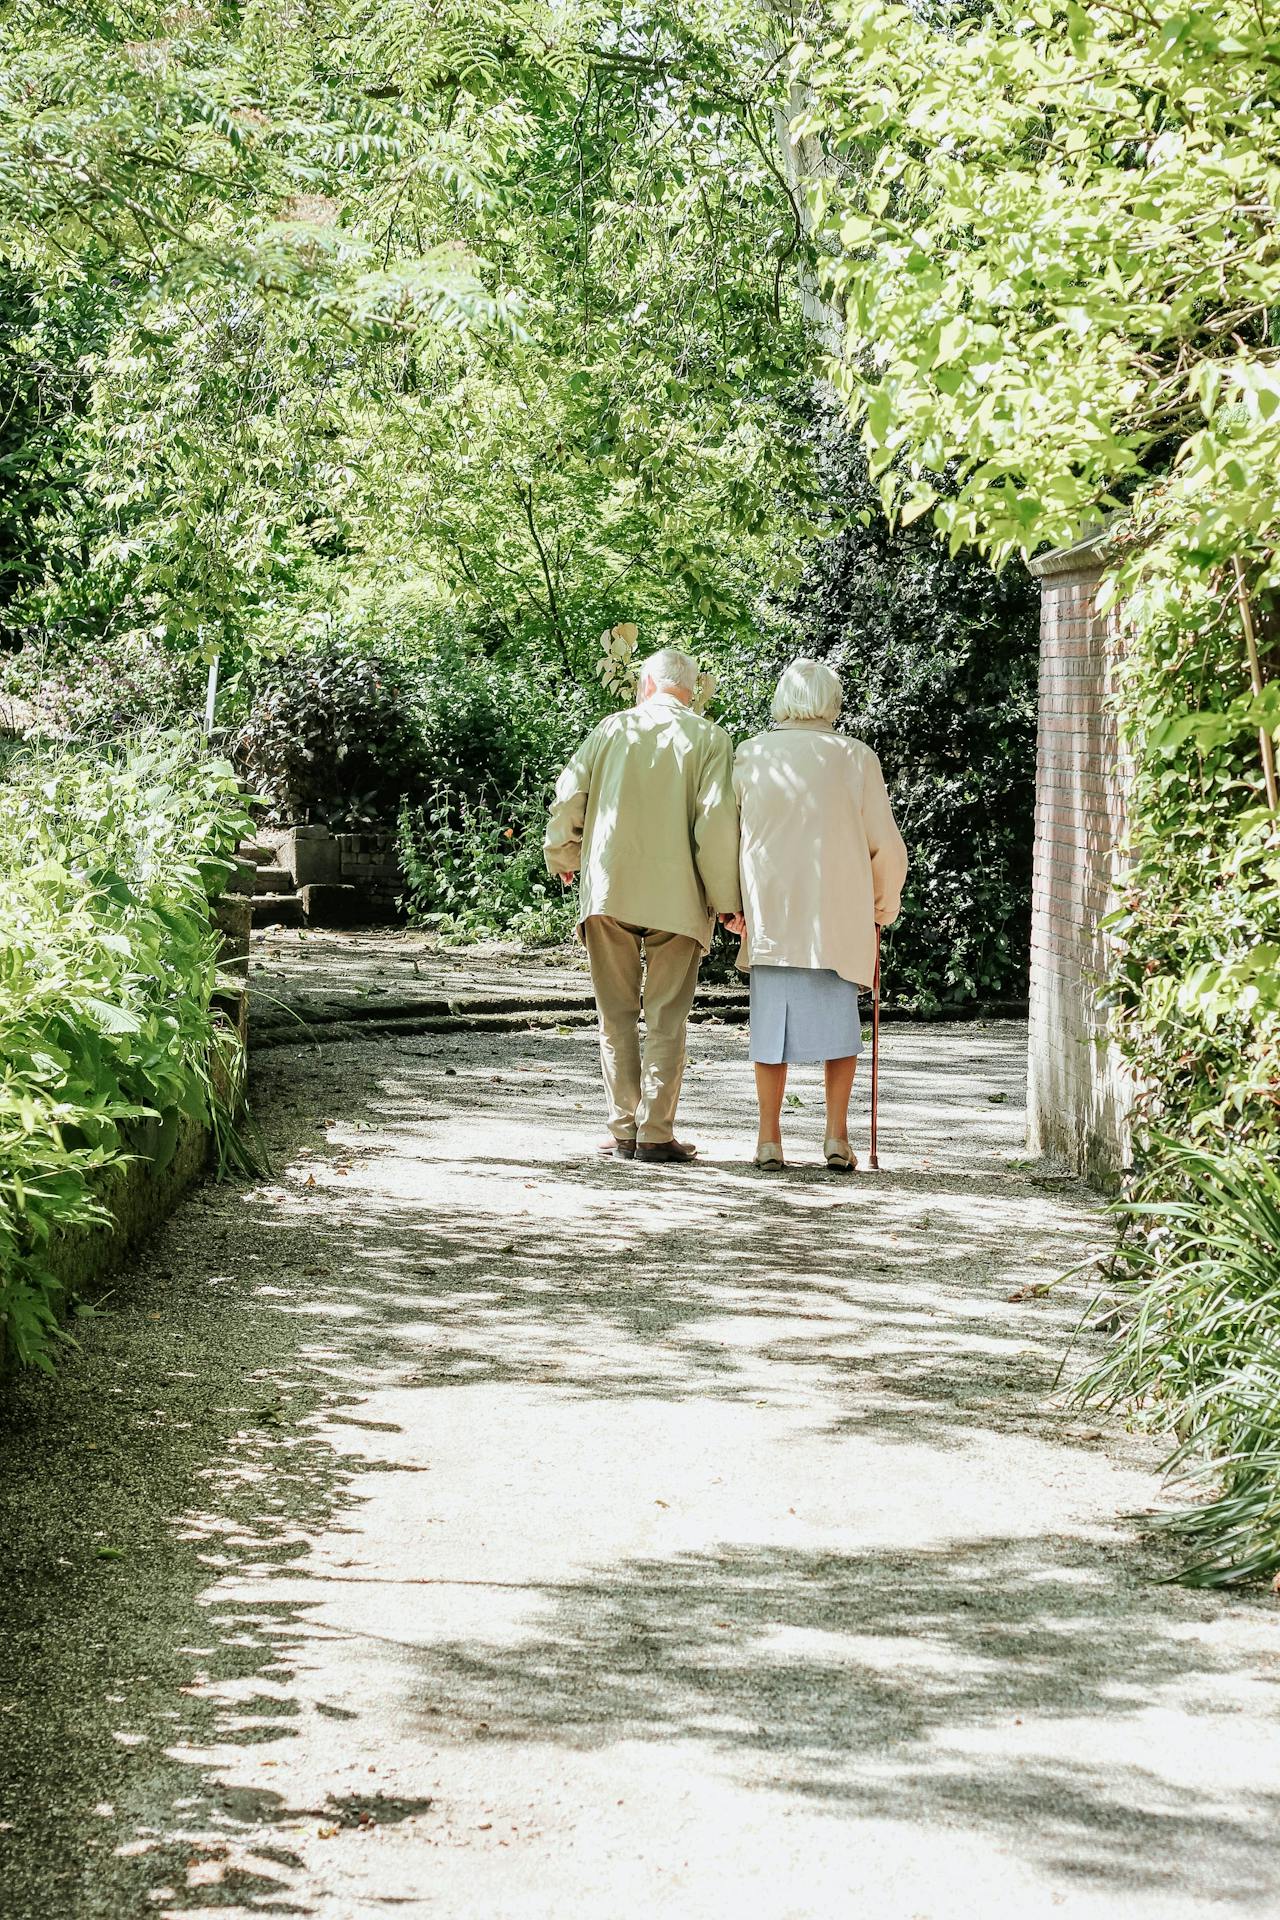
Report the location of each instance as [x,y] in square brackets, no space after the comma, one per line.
[884,843]
[715,827]
[562,842]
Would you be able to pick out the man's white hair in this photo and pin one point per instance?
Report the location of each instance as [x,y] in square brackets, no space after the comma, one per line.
[808,690]
[669,669]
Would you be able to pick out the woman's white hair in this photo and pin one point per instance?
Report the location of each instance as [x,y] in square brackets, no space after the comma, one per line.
[669,669]
[808,690]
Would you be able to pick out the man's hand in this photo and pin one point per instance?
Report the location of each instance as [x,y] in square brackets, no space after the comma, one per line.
[736,923]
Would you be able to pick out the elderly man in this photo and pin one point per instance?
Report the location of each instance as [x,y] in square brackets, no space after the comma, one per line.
[645,811]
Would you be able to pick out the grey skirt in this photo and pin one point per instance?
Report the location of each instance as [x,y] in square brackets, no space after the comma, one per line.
[802,1014]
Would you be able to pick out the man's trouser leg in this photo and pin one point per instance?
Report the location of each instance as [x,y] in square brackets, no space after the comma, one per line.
[614,953]
[671,977]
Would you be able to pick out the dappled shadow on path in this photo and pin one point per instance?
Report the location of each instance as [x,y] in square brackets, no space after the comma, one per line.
[291,1395]
[846,1675]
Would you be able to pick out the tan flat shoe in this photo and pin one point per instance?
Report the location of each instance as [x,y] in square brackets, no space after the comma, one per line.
[769,1157]
[839,1156]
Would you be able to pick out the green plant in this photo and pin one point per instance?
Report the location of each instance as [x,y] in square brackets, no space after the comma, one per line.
[474,871]
[107,966]
[330,735]
[1067,302]
[1197,1284]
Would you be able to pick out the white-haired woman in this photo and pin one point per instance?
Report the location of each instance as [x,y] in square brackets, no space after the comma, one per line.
[822,865]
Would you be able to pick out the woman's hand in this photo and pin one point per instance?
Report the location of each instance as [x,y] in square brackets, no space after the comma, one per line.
[736,923]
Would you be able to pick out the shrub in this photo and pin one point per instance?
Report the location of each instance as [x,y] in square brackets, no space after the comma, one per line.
[345,730]
[474,871]
[498,732]
[331,735]
[938,655]
[1198,1284]
[107,961]
[122,685]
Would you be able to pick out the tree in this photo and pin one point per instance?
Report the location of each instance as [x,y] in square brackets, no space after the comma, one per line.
[497,309]
[1052,233]
[1051,226]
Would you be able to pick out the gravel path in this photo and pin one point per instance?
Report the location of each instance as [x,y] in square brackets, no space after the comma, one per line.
[457,1525]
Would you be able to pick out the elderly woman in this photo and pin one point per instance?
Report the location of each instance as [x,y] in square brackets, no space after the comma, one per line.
[822,866]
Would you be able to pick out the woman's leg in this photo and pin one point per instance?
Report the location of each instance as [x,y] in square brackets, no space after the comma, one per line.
[837,1078]
[771,1084]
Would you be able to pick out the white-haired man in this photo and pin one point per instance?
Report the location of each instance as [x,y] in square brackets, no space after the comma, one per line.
[645,813]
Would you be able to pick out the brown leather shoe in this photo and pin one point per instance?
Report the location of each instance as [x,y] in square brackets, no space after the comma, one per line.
[675,1152]
[620,1149]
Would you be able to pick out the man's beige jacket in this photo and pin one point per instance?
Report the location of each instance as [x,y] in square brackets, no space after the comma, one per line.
[645,812]
[822,859]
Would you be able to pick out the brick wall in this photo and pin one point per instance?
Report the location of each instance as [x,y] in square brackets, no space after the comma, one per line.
[1077,1096]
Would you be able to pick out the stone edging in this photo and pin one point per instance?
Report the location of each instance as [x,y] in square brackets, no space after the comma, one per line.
[501,1013]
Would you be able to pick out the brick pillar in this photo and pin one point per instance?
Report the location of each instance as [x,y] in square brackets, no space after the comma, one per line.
[1077,1094]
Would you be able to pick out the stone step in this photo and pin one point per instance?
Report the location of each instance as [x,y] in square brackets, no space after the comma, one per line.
[278,910]
[273,879]
[331,904]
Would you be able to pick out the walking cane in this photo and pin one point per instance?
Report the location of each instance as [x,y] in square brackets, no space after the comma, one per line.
[873,1160]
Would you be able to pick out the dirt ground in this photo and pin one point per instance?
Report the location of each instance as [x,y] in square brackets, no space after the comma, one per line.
[454,1523]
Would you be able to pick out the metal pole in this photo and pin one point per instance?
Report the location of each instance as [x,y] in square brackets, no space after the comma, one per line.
[211,695]
[873,1159]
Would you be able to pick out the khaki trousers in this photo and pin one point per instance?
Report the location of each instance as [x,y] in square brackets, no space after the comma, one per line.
[642,1087]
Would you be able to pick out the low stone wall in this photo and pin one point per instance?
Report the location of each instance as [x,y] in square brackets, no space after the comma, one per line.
[141,1193]
[140,1197]
[1078,1095]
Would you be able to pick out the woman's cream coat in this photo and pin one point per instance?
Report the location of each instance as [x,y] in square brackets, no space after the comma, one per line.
[821,858]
